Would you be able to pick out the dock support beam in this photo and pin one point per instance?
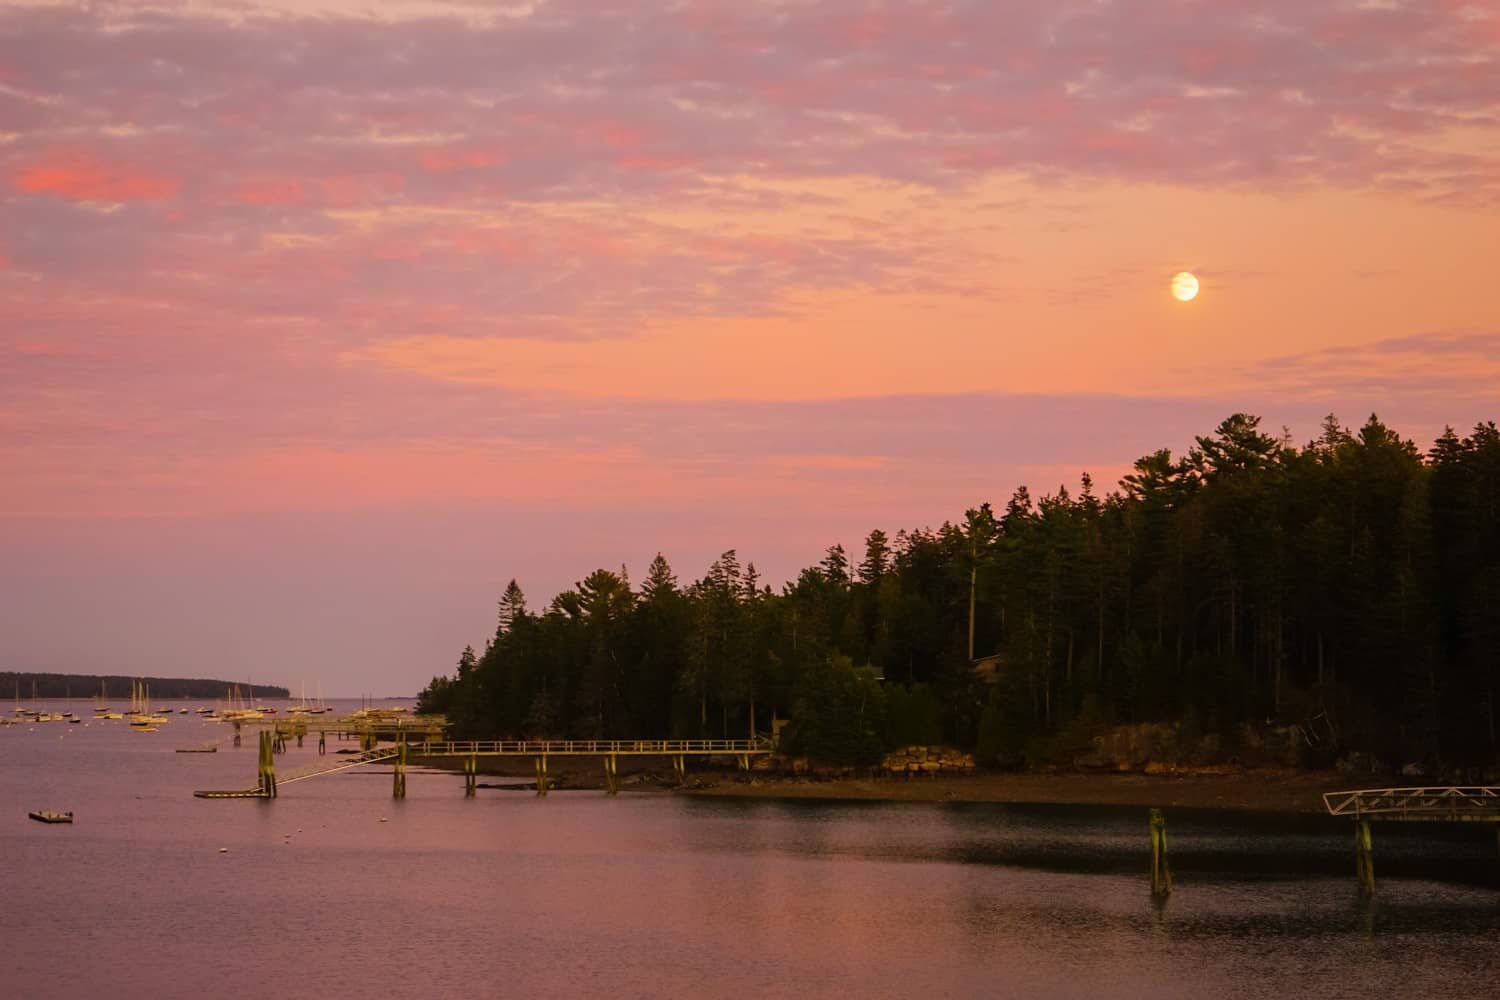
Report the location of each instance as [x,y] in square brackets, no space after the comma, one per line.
[471,775]
[266,771]
[1364,856]
[541,777]
[679,765]
[744,760]
[322,744]
[611,775]
[236,734]
[398,780]
[1161,873]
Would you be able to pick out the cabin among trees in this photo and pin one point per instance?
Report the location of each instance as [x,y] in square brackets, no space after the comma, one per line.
[1354,578]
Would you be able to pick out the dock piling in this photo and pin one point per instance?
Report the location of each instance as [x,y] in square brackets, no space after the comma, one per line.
[611,775]
[1161,872]
[1364,856]
[471,776]
[266,772]
[398,781]
[541,776]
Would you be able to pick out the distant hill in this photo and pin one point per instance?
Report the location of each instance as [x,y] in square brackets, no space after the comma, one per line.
[54,686]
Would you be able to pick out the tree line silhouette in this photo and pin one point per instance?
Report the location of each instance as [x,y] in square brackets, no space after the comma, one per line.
[1351,585]
[115,687]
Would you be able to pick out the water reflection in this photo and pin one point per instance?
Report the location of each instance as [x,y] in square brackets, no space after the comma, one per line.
[652,896]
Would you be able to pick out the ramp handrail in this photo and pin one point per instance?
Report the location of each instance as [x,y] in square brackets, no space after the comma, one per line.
[339,764]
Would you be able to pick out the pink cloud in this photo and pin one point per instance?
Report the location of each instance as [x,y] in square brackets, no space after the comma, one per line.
[81,175]
[355,190]
[270,192]
[837,89]
[449,160]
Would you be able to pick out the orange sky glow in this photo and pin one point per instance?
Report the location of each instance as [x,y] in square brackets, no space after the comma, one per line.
[382,311]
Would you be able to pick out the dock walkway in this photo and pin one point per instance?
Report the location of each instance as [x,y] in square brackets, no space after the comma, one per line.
[422,744]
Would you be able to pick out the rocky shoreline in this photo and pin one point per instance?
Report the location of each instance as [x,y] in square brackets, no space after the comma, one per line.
[1260,790]
[1264,789]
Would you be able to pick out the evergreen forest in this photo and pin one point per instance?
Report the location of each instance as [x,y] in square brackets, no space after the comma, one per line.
[53,687]
[1350,585]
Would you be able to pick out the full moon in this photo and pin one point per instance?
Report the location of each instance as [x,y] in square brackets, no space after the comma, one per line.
[1184,286]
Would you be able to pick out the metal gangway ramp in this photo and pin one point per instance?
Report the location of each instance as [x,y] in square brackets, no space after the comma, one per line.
[1415,804]
[1429,804]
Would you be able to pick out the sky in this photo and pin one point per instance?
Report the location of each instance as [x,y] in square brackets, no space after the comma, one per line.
[320,321]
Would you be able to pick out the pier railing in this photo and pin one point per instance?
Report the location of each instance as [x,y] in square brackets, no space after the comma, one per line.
[381,753]
[1444,804]
[418,745]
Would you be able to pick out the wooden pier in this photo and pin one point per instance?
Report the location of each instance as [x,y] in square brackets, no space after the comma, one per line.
[406,748]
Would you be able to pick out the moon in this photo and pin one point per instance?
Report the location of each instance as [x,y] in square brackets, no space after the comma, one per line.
[1184,286]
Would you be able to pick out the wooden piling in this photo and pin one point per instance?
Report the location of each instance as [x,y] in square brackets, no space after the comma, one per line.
[398,781]
[1364,856]
[679,765]
[266,770]
[541,776]
[1161,872]
[322,744]
[471,776]
[611,775]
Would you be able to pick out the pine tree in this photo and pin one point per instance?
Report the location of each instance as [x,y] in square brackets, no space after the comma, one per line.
[512,606]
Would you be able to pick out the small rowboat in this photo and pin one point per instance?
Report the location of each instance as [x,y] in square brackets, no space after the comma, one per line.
[47,816]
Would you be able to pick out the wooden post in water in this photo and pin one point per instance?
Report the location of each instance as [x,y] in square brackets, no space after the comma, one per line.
[266,772]
[679,764]
[236,733]
[541,776]
[322,744]
[611,775]
[1161,873]
[398,782]
[471,775]
[1364,856]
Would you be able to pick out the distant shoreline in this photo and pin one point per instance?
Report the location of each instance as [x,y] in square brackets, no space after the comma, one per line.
[46,686]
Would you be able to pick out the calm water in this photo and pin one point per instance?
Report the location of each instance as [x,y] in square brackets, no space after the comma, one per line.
[580,895]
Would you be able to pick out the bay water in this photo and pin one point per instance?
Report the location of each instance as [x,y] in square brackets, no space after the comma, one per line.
[337,889]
